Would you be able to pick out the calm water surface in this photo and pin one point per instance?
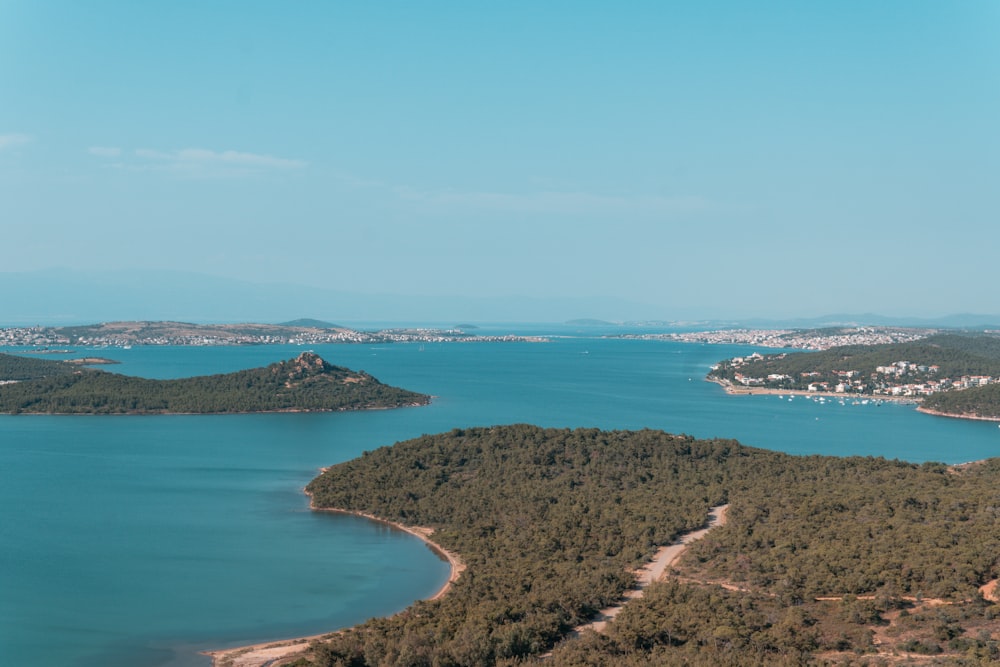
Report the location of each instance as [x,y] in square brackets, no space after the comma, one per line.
[137,541]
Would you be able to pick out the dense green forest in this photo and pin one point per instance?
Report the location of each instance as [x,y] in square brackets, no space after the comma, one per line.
[955,355]
[981,402]
[551,522]
[301,384]
[16,368]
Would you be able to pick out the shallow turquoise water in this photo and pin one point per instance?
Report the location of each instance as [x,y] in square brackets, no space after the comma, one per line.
[136,541]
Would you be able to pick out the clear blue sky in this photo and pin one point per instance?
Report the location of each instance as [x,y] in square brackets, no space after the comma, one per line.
[713,158]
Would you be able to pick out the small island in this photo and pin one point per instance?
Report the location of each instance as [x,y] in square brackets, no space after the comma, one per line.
[304,384]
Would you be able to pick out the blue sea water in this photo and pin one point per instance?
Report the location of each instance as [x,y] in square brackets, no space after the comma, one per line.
[131,541]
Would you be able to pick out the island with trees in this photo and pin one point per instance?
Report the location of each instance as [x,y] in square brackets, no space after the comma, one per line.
[952,374]
[306,383]
[823,560]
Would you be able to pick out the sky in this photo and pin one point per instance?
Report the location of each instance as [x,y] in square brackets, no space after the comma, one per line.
[711,159]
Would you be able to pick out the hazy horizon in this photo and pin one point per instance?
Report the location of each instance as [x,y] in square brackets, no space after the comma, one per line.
[648,161]
[62,298]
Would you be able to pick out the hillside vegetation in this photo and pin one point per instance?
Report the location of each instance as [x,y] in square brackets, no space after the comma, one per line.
[977,402]
[305,383]
[955,355]
[953,372]
[16,368]
[551,522]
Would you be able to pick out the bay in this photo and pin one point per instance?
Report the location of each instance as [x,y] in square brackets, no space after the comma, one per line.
[138,541]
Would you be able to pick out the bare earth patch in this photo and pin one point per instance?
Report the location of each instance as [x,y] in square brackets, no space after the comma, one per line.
[991,590]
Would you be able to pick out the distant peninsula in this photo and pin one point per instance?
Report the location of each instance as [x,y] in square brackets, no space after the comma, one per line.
[304,384]
[981,403]
[296,332]
[951,375]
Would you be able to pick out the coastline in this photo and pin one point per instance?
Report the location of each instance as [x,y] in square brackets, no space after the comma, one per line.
[423,533]
[167,413]
[902,400]
[974,417]
[277,652]
[767,391]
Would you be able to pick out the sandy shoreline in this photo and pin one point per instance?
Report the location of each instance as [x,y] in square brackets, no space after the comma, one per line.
[275,653]
[936,413]
[278,652]
[767,391]
[903,400]
[457,566]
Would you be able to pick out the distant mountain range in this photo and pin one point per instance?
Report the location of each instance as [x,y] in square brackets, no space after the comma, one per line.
[957,321]
[307,322]
[62,296]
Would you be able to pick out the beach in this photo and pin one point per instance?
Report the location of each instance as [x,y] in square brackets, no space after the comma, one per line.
[457,566]
[973,417]
[767,391]
[276,653]
[282,651]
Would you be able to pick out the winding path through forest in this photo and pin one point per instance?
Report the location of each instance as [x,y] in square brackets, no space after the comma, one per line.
[275,653]
[653,571]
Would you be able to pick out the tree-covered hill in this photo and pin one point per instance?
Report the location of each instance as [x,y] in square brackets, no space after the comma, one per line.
[16,368]
[952,355]
[977,402]
[550,522]
[306,383]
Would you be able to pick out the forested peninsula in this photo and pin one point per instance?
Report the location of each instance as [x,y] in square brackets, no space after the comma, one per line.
[955,375]
[306,383]
[975,403]
[823,560]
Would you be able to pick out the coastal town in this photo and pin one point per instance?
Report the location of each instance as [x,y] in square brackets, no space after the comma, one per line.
[900,379]
[803,339]
[127,334]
